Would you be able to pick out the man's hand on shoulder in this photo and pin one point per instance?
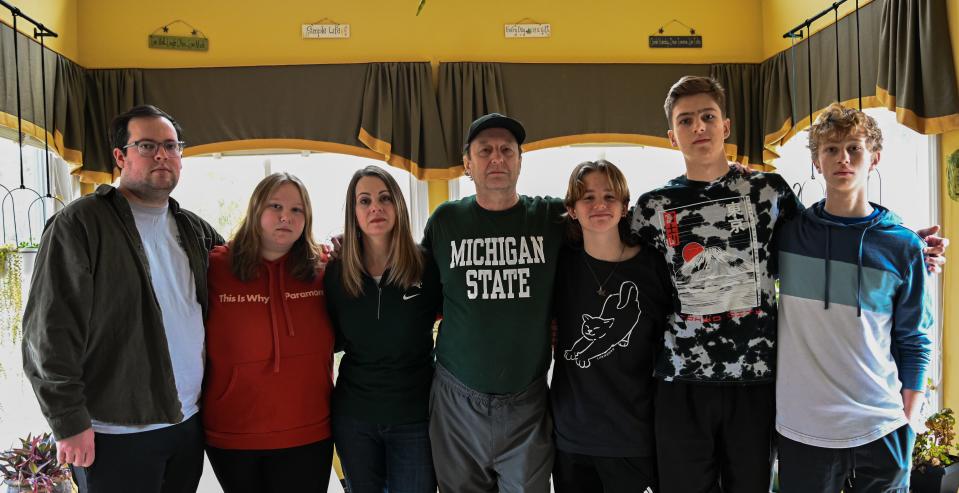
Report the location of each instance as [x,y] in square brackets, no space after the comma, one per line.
[335,251]
[77,450]
[935,251]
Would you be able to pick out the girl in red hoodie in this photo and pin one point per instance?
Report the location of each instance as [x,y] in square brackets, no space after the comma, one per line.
[266,397]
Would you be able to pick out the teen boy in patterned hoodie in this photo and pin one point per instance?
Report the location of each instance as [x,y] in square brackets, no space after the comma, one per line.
[714,225]
[854,317]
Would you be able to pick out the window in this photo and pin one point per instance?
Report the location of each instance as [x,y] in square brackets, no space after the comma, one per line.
[219,188]
[21,206]
[19,410]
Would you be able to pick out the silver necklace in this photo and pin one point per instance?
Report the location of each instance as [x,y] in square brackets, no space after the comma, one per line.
[601,291]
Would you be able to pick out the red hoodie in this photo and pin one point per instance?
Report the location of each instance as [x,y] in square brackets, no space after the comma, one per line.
[269,358]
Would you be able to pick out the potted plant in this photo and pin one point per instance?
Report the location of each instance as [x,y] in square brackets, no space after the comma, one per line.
[11,293]
[33,467]
[935,459]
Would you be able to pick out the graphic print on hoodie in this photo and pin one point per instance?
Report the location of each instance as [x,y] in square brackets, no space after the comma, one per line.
[717,240]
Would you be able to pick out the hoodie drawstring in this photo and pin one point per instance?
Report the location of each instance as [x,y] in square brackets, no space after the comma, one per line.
[273,321]
[275,270]
[862,239]
[286,307]
[826,297]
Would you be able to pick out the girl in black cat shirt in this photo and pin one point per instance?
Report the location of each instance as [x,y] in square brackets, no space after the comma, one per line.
[611,304]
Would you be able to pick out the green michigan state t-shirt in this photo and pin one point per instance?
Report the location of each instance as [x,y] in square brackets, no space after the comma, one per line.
[497,270]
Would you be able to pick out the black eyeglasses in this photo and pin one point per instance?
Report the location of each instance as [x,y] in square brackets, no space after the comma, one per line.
[149,148]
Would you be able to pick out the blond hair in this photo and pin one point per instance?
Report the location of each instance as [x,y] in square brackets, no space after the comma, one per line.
[836,122]
[246,245]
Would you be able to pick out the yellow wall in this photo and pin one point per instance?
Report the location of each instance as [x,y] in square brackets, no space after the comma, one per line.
[247,32]
[950,220]
[58,15]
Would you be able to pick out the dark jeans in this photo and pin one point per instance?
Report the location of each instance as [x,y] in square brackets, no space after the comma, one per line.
[168,460]
[302,469]
[578,473]
[880,466]
[384,458]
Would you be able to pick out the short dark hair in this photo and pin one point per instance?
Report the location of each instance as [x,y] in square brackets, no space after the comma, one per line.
[120,132]
[691,85]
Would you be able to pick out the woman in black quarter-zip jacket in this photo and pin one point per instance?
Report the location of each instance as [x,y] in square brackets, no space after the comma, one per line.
[383,296]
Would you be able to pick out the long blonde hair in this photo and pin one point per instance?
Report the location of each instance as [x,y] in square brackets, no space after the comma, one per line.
[404,260]
[246,244]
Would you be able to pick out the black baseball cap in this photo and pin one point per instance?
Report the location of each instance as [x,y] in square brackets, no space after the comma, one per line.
[495,120]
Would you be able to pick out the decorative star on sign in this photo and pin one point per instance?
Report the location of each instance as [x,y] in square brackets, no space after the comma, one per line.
[166,29]
[193,32]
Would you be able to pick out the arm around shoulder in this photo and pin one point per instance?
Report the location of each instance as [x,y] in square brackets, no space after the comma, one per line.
[912,321]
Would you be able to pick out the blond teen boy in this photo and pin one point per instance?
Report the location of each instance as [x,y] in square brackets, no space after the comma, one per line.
[854,317]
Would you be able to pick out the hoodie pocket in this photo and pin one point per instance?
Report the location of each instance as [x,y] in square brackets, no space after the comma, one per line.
[259,400]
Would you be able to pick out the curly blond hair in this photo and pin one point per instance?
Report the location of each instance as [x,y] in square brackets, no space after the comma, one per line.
[836,122]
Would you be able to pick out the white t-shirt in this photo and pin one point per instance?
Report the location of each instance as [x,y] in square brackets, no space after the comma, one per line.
[175,291]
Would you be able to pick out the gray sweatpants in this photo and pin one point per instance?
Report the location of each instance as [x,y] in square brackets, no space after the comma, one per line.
[490,442]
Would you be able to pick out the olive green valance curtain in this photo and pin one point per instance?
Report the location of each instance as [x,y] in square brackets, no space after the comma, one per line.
[69,112]
[108,93]
[467,91]
[312,107]
[804,77]
[572,103]
[900,59]
[916,77]
[393,112]
[560,103]
[31,84]
[401,121]
[383,111]
[743,83]
[904,63]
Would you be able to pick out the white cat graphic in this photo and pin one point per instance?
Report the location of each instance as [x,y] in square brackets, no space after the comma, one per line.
[608,330]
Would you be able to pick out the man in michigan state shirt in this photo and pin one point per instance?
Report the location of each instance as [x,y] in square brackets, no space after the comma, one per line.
[496,252]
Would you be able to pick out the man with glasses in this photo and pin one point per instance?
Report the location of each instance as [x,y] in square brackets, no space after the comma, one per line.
[113,330]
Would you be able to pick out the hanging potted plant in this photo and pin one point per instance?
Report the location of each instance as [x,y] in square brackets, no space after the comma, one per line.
[935,459]
[11,293]
[28,254]
[33,467]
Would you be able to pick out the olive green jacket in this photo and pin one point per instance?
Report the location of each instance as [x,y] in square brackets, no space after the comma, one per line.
[94,345]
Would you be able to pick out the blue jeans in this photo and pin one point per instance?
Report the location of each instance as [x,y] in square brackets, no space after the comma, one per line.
[384,458]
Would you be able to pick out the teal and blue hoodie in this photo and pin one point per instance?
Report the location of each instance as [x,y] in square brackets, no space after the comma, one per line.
[854,318]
